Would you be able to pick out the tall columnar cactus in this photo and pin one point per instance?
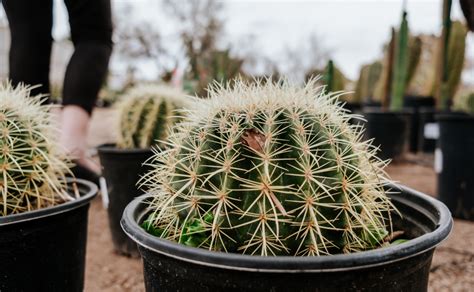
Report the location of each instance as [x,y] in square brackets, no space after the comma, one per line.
[32,167]
[400,68]
[146,113]
[269,169]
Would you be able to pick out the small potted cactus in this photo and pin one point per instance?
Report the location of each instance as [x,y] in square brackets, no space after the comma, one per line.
[455,158]
[145,113]
[268,187]
[43,214]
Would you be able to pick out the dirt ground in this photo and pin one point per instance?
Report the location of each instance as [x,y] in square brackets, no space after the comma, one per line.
[453,262]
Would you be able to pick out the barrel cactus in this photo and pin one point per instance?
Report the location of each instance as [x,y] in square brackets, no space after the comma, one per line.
[32,167]
[146,113]
[269,169]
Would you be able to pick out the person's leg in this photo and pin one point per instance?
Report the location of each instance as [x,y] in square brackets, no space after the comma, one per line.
[30,50]
[91,33]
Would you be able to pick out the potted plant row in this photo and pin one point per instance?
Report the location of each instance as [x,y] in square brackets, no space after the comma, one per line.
[145,113]
[268,187]
[43,214]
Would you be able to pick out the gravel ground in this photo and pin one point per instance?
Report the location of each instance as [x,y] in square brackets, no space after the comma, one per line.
[453,262]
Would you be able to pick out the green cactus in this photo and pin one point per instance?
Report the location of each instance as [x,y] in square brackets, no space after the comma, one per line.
[368,77]
[32,167]
[146,113]
[333,78]
[269,169]
[400,68]
[464,103]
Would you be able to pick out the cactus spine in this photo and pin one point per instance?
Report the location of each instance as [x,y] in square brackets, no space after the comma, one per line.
[32,168]
[146,113]
[269,169]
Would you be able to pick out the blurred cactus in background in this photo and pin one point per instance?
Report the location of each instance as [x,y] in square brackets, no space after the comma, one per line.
[464,103]
[400,68]
[333,78]
[368,77]
[420,82]
[383,87]
[401,61]
[146,114]
[32,166]
[415,47]
[449,68]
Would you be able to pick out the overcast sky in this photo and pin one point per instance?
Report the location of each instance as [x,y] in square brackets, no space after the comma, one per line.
[353,30]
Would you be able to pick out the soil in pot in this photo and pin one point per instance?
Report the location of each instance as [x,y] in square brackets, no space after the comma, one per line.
[122,169]
[390,131]
[44,250]
[454,163]
[169,266]
[415,103]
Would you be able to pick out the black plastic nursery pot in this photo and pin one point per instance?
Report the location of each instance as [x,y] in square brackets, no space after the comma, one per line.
[454,163]
[44,250]
[122,169]
[415,104]
[390,131]
[169,266]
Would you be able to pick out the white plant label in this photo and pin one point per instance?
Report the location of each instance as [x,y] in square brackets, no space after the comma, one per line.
[104,193]
[438,162]
[431,131]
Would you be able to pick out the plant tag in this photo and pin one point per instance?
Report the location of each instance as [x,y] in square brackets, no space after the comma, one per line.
[104,193]
[438,161]
[431,131]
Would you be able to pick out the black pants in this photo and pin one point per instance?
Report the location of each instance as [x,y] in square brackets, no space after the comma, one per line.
[31,23]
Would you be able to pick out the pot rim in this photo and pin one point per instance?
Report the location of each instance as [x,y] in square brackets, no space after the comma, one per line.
[88,189]
[291,264]
[113,149]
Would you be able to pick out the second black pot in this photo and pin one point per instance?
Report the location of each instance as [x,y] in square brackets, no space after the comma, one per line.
[390,131]
[454,163]
[44,250]
[122,169]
